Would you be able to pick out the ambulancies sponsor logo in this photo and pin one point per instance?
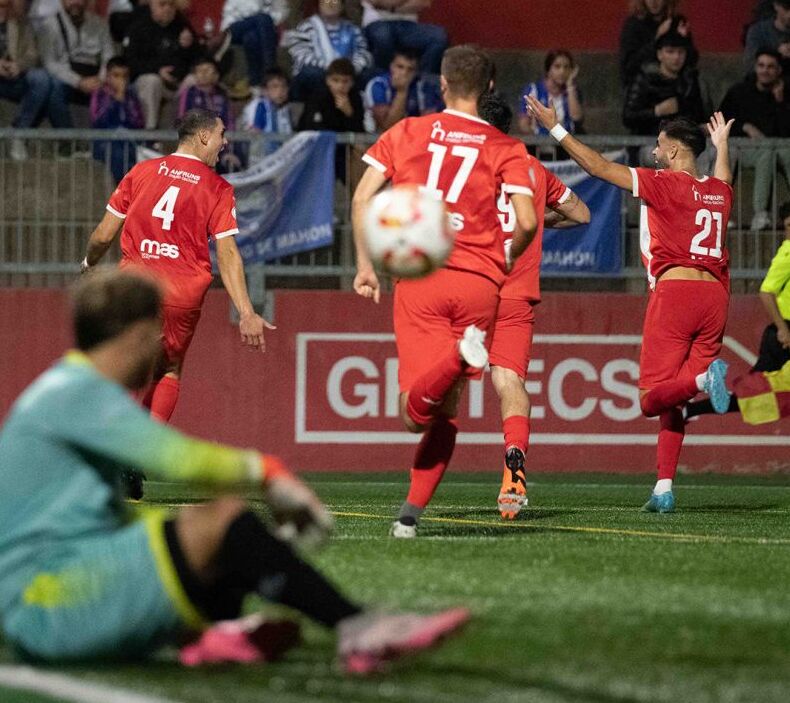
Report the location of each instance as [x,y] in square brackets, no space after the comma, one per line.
[151,249]
[458,137]
[707,198]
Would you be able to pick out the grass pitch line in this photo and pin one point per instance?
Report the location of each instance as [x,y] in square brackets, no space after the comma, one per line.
[61,687]
[671,536]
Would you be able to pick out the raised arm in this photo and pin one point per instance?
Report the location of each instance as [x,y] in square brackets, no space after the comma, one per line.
[366,282]
[719,130]
[589,159]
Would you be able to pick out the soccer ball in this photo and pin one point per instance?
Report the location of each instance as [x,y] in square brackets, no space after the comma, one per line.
[407,232]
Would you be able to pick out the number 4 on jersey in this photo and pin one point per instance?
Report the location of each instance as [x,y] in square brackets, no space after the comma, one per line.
[165,206]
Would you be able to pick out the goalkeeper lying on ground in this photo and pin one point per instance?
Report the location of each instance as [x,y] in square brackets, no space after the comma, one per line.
[81,577]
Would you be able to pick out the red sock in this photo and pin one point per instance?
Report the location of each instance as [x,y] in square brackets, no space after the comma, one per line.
[516,429]
[430,461]
[668,395]
[428,391]
[670,440]
[164,397]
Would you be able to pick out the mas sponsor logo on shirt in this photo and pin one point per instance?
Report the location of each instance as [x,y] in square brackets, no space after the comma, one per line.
[440,134]
[178,174]
[151,249]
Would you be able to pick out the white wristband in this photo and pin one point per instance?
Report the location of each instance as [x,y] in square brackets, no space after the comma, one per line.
[558,132]
[84,266]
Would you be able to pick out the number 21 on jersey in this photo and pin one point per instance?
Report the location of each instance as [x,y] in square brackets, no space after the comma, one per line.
[165,206]
[706,219]
[438,154]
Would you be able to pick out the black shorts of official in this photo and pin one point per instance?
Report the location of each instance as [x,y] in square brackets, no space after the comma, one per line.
[773,356]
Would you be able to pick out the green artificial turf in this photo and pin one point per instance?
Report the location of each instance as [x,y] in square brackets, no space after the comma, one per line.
[584,598]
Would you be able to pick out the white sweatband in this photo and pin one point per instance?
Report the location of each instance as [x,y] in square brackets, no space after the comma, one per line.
[84,266]
[558,132]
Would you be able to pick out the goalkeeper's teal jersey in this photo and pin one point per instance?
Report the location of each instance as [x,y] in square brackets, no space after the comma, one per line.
[62,450]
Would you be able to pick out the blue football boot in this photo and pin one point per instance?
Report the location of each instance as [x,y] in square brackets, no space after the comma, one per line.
[715,386]
[660,503]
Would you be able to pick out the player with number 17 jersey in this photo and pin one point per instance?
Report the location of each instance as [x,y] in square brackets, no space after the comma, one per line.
[171,207]
[462,160]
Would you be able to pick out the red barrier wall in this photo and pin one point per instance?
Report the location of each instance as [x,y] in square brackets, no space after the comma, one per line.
[544,24]
[324,395]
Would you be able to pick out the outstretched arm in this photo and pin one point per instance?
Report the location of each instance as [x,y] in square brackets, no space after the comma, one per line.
[366,282]
[719,130]
[572,213]
[589,159]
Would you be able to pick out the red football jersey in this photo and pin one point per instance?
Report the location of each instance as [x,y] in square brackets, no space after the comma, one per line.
[466,162]
[171,206]
[523,282]
[683,222]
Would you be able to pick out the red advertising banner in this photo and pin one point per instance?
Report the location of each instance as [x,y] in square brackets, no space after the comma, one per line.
[325,393]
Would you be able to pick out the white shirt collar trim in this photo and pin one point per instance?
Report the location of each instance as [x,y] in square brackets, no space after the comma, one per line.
[466,115]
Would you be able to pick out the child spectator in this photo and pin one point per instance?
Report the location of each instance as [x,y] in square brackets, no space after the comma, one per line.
[206,93]
[319,40]
[558,89]
[400,93]
[336,108]
[271,112]
[115,105]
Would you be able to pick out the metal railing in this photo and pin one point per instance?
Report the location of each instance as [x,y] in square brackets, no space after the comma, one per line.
[52,199]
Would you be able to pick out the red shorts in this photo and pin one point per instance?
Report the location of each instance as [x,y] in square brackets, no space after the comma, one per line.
[512,343]
[684,327]
[430,315]
[178,327]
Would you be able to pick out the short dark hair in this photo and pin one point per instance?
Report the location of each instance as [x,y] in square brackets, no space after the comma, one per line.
[768,51]
[784,211]
[341,67]
[204,58]
[410,54]
[273,73]
[686,131]
[194,121]
[467,70]
[117,62]
[493,108]
[106,303]
[673,38]
[551,57]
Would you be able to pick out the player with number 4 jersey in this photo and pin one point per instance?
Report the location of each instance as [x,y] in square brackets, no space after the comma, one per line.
[441,321]
[683,230]
[169,208]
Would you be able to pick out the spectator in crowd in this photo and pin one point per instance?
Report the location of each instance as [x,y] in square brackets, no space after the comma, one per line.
[399,93]
[208,94]
[668,88]
[336,108]
[122,14]
[75,46]
[771,33]
[160,48]
[760,106]
[648,21]
[20,80]
[252,24]
[115,105]
[318,41]
[557,88]
[270,113]
[391,25]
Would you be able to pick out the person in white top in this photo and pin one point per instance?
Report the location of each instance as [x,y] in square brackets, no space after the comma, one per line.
[393,24]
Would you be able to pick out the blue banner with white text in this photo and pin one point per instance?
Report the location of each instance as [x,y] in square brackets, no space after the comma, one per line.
[285,200]
[594,248]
